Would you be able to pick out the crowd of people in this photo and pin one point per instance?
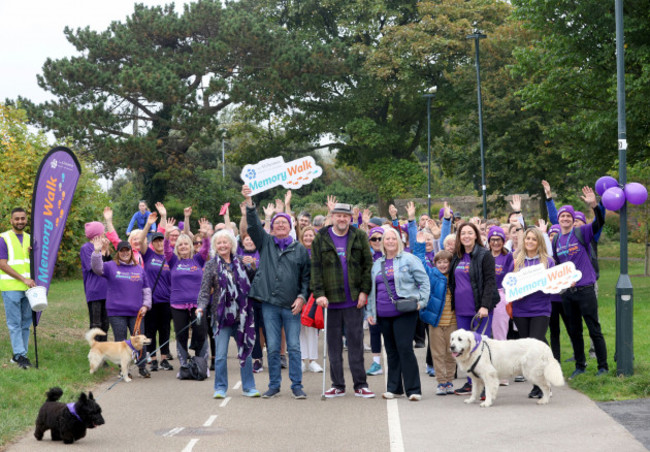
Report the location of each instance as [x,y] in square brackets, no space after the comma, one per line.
[408,280]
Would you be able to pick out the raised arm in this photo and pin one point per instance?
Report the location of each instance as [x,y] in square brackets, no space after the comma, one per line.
[255,229]
[550,204]
[589,197]
[111,234]
[96,262]
[151,221]
[187,212]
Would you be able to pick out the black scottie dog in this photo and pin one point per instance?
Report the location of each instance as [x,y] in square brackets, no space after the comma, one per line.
[67,422]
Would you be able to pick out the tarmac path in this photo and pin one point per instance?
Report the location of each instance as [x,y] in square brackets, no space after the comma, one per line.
[165,414]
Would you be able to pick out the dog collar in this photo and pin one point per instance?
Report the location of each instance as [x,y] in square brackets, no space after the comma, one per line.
[479,339]
[134,352]
[73,411]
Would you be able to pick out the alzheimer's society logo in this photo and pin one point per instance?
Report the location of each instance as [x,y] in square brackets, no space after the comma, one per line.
[275,171]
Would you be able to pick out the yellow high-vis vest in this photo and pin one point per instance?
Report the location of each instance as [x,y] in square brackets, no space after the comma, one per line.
[18,259]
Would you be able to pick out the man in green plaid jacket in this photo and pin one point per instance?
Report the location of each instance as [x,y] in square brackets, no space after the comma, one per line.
[340,280]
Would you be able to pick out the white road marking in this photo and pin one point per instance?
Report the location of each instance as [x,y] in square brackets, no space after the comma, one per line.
[173,432]
[210,420]
[190,445]
[237,385]
[394,424]
[225,402]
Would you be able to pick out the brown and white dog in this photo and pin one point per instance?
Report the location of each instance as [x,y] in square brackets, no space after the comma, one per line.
[488,360]
[116,352]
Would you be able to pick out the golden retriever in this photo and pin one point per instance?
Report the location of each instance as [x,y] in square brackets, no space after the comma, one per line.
[116,352]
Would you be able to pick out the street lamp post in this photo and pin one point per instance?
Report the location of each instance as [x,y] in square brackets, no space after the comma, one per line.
[624,294]
[477,36]
[429,95]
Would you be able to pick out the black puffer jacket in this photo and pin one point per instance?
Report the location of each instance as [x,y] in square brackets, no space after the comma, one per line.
[482,278]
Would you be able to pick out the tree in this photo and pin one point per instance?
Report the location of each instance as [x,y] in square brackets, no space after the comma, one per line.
[21,152]
[142,93]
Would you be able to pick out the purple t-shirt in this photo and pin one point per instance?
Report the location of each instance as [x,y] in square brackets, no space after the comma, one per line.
[570,249]
[152,263]
[536,304]
[463,294]
[186,276]
[125,282]
[385,307]
[376,255]
[94,285]
[4,251]
[241,252]
[503,264]
[341,244]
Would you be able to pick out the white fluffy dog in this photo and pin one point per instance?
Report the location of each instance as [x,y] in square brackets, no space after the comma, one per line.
[488,360]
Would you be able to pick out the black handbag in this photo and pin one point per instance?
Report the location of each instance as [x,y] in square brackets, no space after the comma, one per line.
[408,304]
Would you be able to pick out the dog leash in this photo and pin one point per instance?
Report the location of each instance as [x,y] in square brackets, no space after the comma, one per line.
[473,366]
[148,356]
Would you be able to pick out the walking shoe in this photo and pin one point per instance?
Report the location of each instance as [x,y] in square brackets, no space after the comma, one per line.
[315,367]
[257,366]
[535,393]
[334,392]
[391,395]
[154,366]
[602,371]
[219,394]
[576,373]
[415,397]
[504,383]
[465,390]
[252,393]
[442,389]
[298,393]
[169,357]
[450,388]
[520,379]
[431,371]
[375,369]
[20,361]
[26,361]
[164,365]
[419,344]
[365,393]
[366,347]
[272,392]
[283,361]
[144,373]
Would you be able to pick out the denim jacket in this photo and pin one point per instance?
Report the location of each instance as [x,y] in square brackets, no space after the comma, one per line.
[411,280]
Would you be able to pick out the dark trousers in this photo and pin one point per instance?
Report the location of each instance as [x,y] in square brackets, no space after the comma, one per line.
[429,357]
[533,327]
[375,338]
[352,320]
[403,371]
[182,318]
[156,323]
[98,317]
[420,331]
[582,303]
[259,323]
[557,312]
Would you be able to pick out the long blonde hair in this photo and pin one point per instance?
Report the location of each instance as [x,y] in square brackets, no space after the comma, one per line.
[183,237]
[542,252]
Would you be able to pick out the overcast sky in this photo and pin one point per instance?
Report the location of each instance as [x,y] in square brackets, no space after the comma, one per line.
[32,31]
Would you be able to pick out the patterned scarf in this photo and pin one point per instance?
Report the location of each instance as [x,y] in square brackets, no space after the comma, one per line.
[233,305]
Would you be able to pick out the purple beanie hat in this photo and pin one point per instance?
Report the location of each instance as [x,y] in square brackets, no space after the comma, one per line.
[442,213]
[93,229]
[568,209]
[580,216]
[283,215]
[377,230]
[496,231]
[555,229]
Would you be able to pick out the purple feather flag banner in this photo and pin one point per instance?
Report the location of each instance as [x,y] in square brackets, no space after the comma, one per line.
[56,182]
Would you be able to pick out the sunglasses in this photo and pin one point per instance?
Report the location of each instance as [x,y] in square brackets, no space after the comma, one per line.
[197,243]
[375,239]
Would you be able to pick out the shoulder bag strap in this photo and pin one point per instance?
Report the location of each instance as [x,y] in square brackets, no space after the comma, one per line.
[383,275]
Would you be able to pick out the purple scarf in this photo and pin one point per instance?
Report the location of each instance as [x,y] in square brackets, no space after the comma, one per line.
[283,243]
[429,258]
[233,305]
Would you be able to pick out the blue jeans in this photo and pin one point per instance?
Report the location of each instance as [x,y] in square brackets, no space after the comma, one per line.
[19,318]
[275,318]
[221,341]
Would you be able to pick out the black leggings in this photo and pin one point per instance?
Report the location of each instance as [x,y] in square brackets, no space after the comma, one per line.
[534,327]
[156,322]
[557,312]
[182,318]
[98,317]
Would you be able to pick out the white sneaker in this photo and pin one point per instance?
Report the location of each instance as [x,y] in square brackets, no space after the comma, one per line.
[303,366]
[315,367]
[415,397]
[389,395]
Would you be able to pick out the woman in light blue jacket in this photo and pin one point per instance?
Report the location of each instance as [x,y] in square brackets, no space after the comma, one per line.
[403,276]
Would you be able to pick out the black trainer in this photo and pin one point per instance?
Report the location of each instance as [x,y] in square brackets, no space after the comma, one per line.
[154,366]
[536,393]
[164,365]
[144,373]
[21,361]
[466,389]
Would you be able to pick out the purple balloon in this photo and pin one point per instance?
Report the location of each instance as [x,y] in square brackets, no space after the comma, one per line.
[613,198]
[636,193]
[604,183]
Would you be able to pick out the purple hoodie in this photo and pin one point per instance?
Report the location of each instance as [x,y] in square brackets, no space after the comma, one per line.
[94,285]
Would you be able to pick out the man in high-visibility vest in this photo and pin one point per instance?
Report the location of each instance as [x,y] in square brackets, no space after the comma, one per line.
[14,281]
